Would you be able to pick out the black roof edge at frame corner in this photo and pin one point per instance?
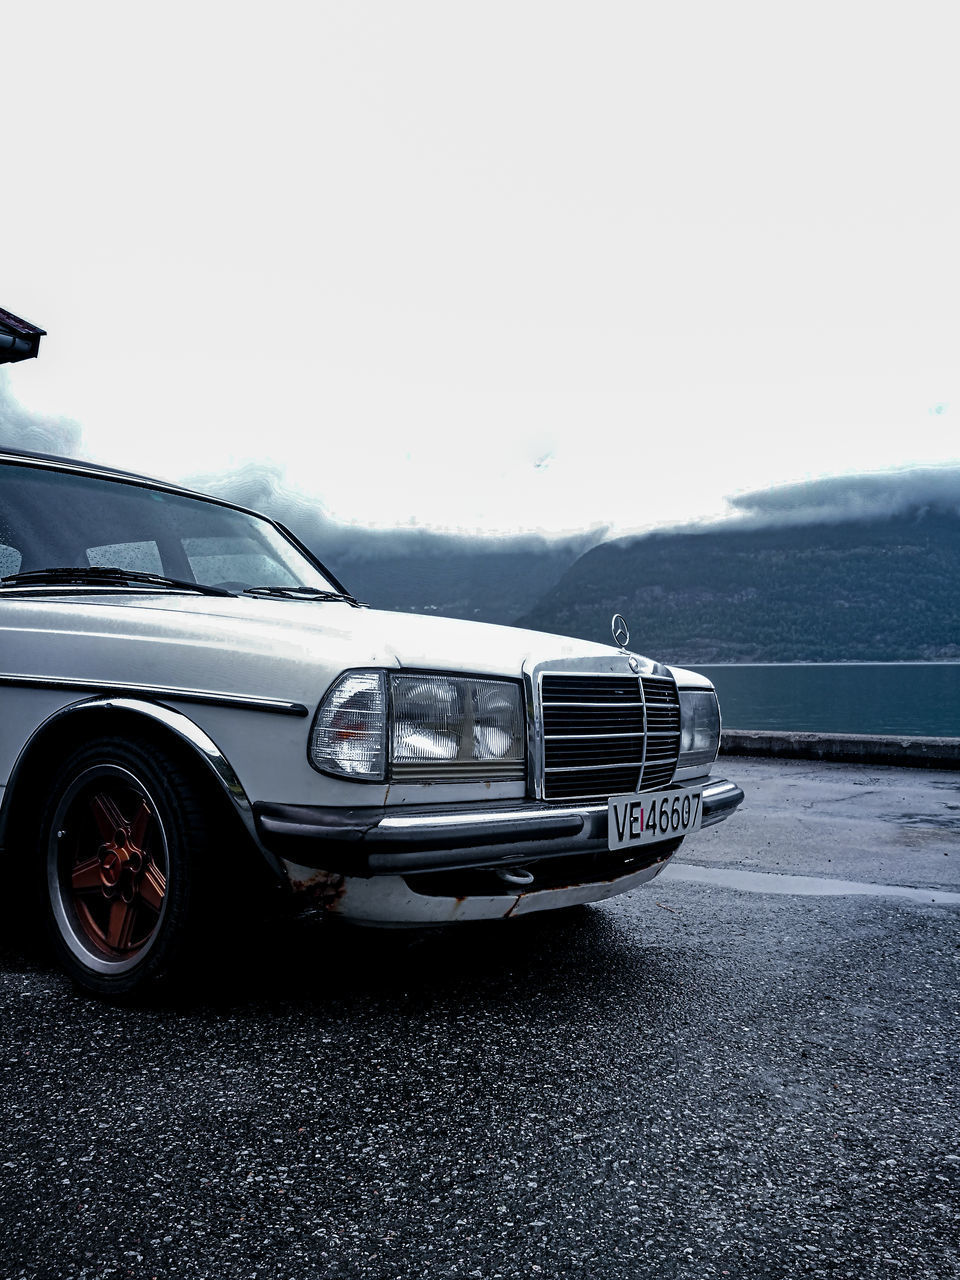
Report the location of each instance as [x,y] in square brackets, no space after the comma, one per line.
[19,339]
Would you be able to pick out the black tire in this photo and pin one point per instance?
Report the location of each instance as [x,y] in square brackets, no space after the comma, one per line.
[125,844]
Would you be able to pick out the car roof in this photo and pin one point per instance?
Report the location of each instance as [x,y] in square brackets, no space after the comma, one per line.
[78,464]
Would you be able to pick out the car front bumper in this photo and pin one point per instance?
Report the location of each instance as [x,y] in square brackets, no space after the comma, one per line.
[378,841]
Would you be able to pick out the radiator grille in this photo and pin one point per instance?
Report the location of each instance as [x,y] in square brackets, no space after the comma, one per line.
[602,733]
[663,730]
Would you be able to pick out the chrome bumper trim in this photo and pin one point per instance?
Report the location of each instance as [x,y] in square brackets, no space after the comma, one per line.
[719,801]
[520,818]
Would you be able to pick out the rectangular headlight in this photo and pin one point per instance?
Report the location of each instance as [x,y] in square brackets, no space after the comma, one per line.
[455,727]
[699,727]
[375,724]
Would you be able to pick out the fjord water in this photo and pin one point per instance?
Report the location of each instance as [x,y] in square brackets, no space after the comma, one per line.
[844,697]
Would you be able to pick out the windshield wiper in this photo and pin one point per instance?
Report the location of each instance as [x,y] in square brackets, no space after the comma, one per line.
[302,593]
[101,575]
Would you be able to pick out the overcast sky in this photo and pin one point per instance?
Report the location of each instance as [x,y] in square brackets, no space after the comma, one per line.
[489,265]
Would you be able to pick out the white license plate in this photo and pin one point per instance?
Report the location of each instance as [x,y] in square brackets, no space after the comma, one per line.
[648,816]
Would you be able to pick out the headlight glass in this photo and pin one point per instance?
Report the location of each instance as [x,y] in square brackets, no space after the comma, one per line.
[427,719]
[349,734]
[700,727]
[455,727]
[375,724]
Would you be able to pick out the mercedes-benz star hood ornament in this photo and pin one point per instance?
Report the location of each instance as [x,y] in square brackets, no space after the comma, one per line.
[621,632]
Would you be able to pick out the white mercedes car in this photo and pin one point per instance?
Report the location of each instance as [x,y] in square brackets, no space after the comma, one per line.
[190,700]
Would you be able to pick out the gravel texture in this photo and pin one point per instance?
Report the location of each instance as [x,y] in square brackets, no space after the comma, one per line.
[687,1081]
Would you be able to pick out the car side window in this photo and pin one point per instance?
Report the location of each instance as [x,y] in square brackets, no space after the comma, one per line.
[10,560]
[141,557]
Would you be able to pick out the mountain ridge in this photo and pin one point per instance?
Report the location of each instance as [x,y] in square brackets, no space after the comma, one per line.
[878,589]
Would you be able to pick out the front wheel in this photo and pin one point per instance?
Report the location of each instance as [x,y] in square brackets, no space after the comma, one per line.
[125,840]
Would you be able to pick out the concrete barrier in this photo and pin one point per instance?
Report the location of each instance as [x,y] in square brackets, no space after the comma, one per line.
[849,748]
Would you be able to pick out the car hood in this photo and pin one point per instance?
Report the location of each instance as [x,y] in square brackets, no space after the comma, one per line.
[290,649]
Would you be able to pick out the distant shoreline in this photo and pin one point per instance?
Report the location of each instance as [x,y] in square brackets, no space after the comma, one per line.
[832,662]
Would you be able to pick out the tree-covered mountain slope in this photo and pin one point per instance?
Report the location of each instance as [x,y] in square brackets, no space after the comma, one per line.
[488,581]
[877,589]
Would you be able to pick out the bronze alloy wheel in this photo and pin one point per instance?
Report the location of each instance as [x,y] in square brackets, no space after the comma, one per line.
[107,868]
[129,865]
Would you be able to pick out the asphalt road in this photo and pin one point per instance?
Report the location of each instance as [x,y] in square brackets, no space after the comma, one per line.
[736,1071]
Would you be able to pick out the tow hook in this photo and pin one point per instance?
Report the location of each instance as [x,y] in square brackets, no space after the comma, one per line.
[516,877]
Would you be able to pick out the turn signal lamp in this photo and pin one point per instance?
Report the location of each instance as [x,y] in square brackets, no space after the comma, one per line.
[348,735]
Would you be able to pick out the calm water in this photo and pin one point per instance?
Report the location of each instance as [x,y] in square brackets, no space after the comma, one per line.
[849,697]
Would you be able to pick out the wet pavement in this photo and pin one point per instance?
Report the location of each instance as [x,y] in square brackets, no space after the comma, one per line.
[736,1071]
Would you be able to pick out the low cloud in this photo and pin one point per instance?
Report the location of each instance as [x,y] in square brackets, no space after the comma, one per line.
[839,499]
[22,428]
[492,579]
[263,487]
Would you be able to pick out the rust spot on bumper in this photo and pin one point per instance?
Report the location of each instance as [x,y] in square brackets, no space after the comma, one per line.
[322,890]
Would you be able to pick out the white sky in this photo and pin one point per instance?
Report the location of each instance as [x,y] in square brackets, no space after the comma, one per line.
[489,265]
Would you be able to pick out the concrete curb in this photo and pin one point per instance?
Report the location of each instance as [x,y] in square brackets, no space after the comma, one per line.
[848,748]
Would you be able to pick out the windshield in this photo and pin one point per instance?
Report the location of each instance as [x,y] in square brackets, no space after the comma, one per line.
[54,519]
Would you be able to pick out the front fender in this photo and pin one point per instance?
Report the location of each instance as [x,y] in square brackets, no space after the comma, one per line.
[173,722]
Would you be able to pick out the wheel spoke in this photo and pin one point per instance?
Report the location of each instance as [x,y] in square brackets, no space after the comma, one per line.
[153,887]
[139,825]
[86,876]
[107,816]
[120,925]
